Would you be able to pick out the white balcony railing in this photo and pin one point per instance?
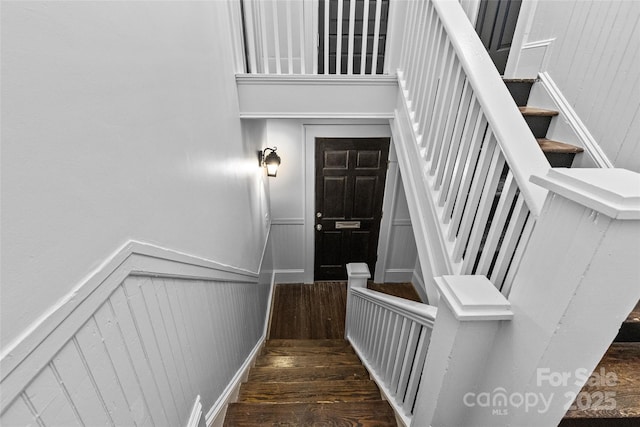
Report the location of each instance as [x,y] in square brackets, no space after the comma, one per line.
[314,36]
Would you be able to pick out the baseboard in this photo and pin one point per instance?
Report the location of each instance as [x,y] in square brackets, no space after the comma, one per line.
[398,275]
[575,128]
[215,415]
[289,276]
[401,419]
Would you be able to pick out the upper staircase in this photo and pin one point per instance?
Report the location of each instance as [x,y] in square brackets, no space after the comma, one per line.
[559,154]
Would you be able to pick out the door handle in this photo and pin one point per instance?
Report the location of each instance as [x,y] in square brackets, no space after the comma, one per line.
[319,227]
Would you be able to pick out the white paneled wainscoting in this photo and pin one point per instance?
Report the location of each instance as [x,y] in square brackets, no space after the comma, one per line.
[154,337]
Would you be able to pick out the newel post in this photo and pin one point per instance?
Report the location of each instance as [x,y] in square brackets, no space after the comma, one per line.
[578,280]
[357,276]
[469,315]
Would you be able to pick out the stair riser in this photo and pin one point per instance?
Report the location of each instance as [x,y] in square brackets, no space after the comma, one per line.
[539,125]
[560,160]
[629,332]
[519,91]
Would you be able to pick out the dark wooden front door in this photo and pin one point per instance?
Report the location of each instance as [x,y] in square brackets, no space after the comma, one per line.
[350,177]
[496,25]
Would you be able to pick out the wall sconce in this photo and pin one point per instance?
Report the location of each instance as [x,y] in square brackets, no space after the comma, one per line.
[271,161]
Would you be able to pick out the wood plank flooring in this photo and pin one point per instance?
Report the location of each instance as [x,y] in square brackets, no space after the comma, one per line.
[314,311]
[309,383]
[308,374]
[317,311]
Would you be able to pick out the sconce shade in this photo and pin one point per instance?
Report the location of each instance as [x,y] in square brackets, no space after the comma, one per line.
[271,161]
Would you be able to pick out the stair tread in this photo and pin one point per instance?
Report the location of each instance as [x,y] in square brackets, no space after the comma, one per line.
[306,351]
[551,146]
[519,80]
[307,343]
[332,373]
[308,361]
[634,316]
[309,391]
[366,414]
[623,360]
[534,111]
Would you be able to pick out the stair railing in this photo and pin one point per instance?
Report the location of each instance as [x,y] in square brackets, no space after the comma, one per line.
[391,335]
[463,145]
[298,37]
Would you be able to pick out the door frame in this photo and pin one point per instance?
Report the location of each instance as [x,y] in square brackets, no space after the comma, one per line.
[311,132]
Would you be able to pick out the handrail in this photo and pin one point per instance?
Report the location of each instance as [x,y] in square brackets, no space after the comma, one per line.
[463,142]
[423,314]
[513,134]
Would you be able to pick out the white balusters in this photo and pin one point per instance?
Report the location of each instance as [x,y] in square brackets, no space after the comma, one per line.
[391,335]
[276,43]
[469,133]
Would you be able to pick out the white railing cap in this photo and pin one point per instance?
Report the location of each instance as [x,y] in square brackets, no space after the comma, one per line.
[358,269]
[422,313]
[473,298]
[612,192]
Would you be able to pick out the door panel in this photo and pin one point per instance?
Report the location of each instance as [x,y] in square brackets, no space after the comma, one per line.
[350,178]
[496,25]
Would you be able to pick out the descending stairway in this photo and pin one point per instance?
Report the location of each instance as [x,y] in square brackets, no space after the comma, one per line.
[309,382]
[612,396]
[559,154]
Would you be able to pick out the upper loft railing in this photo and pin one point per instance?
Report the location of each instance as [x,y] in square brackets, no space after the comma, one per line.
[314,36]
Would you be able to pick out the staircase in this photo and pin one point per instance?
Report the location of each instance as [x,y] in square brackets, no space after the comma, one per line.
[309,382]
[612,400]
[611,397]
[307,374]
[559,154]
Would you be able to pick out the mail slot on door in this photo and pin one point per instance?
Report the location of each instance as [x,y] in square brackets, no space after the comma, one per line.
[347,224]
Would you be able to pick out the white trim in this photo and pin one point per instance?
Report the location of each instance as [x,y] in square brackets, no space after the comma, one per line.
[612,192]
[419,286]
[287,221]
[587,141]
[473,298]
[215,415]
[523,28]
[401,223]
[398,275]
[387,395]
[289,276]
[388,210]
[318,115]
[196,413]
[317,79]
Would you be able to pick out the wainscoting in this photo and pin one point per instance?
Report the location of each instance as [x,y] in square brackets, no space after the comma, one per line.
[152,336]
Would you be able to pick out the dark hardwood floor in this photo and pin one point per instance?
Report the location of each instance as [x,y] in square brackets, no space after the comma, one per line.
[317,311]
[314,311]
[402,290]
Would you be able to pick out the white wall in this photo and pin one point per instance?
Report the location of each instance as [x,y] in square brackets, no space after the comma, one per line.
[292,190]
[589,49]
[119,121]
